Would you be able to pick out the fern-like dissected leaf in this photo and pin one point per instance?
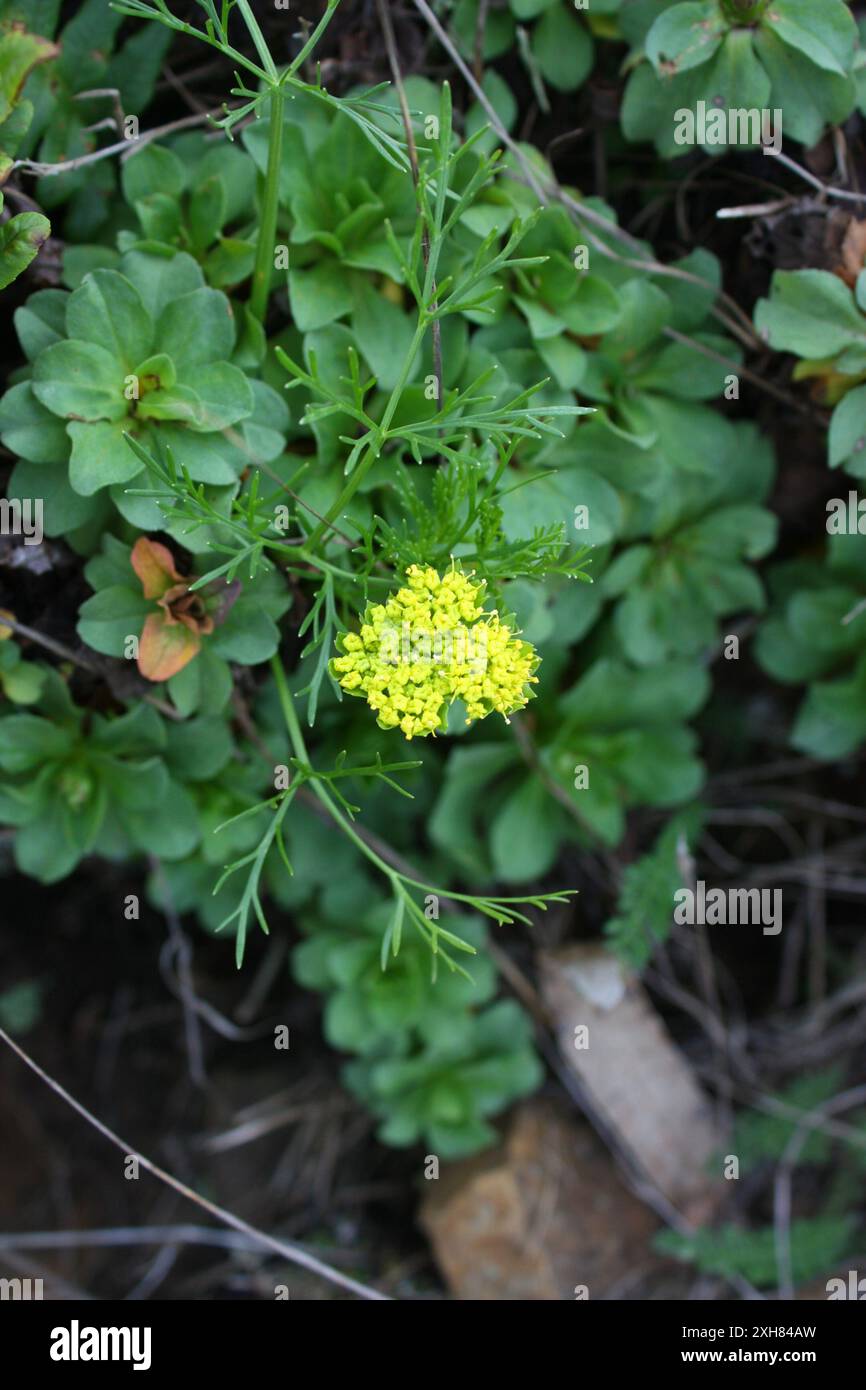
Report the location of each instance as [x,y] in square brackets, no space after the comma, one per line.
[759,1136]
[816,1245]
[646,898]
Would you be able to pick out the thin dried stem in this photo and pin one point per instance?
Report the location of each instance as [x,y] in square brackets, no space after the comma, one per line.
[287,1250]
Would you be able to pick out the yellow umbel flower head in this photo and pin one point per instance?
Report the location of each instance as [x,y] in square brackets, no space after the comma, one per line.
[432,643]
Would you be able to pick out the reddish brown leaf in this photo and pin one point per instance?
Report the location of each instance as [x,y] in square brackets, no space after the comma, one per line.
[154,565]
[165,648]
[852,253]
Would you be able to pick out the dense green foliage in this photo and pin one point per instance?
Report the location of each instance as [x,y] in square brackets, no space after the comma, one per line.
[281,367]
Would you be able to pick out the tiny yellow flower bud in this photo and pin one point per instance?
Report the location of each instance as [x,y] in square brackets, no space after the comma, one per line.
[432,643]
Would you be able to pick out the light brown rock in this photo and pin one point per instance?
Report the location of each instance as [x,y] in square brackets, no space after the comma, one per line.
[543,1213]
[637,1082]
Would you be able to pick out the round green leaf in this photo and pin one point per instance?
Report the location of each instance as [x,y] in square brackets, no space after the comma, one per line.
[107,310]
[563,49]
[80,381]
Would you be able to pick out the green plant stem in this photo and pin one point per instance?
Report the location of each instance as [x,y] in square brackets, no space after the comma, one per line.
[258,38]
[268,229]
[144,11]
[394,876]
[293,725]
[744,11]
[314,38]
[375,448]
[296,737]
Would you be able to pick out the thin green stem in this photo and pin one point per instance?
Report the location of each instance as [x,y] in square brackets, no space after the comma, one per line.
[313,39]
[258,38]
[398,880]
[145,11]
[374,449]
[296,737]
[268,230]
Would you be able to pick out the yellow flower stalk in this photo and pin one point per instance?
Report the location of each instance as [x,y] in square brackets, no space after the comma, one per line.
[430,644]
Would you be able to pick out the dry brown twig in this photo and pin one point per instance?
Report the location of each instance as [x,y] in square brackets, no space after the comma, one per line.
[846,1100]
[295,1254]
[77,659]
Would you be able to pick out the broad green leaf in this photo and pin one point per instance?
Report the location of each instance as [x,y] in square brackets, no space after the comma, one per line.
[136,734]
[295,171]
[136,785]
[161,279]
[198,749]
[685,37]
[20,52]
[452,824]
[134,69]
[160,218]
[734,81]
[27,742]
[197,328]
[498,33]
[113,565]
[208,457]
[45,850]
[249,635]
[542,323]
[585,505]
[226,264]
[320,295]
[107,310]
[810,101]
[692,303]
[816,617]
[502,99]
[564,360]
[224,394]
[176,402]
[207,209]
[107,619]
[20,240]
[832,720]
[152,169]
[41,321]
[205,685]
[530,604]
[612,696]
[648,107]
[644,310]
[530,9]
[79,261]
[63,510]
[562,48]
[29,430]
[826,33]
[85,40]
[595,308]
[80,381]
[684,371]
[847,439]
[22,684]
[810,313]
[384,335]
[174,833]
[100,456]
[525,833]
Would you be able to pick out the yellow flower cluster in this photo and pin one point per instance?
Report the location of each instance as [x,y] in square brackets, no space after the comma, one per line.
[432,643]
